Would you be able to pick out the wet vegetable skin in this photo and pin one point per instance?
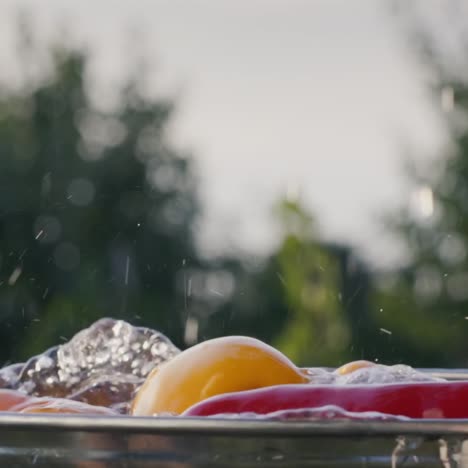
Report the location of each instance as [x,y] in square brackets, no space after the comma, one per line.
[217,366]
[414,400]
[353,366]
[18,402]
[11,398]
[60,406]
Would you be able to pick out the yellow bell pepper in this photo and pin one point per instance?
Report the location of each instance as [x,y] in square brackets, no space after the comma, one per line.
[217,366]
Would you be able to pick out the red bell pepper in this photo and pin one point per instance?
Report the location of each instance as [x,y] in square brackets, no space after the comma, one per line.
[415,400]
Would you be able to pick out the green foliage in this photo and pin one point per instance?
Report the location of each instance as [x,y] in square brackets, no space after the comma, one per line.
[316,331]
[307,298]
[421,336]
[96,211]
[426,308]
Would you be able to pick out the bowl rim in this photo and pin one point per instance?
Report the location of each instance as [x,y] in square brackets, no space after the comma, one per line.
[213,426]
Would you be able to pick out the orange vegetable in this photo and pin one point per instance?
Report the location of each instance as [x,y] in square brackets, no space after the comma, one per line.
[60,405]
[11,398]
[353,366]
[217,366]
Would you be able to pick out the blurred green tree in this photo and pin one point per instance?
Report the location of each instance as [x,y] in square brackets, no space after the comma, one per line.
[97,218]
[317,330]
[425,304]
[96,211]
[308,298]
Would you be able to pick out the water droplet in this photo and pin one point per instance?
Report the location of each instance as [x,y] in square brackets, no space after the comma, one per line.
[81,192]
[47,229]
[14,276]
[447,98]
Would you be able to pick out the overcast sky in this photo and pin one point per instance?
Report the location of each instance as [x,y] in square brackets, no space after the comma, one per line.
[316,97]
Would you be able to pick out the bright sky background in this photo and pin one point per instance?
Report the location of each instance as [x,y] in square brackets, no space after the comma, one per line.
[313,96]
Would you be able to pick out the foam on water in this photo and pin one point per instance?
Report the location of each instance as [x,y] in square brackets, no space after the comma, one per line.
[380,374]
[105,364]
[327,412]
[102,364]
